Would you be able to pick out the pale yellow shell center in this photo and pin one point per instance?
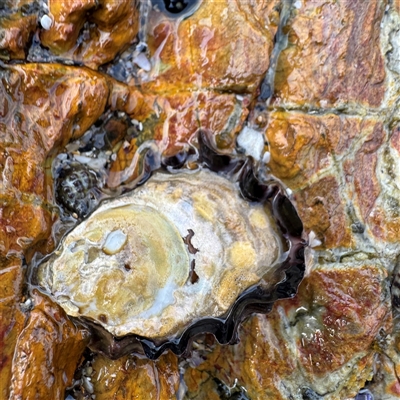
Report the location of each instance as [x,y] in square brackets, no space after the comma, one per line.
[152,257]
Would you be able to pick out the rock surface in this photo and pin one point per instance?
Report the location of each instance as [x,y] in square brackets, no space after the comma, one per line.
[331,135]
[47,352]
[134,378]
[321,342]
[333,57]
[90,32]
[43,106]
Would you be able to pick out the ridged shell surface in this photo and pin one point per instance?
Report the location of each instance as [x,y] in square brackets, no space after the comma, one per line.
[130,265]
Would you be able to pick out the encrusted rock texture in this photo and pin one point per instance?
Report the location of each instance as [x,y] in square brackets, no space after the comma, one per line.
[332,136]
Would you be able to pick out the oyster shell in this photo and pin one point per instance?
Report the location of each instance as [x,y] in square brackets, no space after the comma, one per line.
[128,266]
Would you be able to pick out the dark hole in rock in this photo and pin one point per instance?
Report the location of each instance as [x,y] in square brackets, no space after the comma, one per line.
[357,227]
[177,8]
[230,393]
[150,163]
[309,394]
[176,161]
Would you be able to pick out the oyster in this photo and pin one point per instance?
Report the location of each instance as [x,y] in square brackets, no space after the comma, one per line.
[179,248]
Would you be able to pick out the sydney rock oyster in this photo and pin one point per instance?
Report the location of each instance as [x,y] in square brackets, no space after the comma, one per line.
[175,250]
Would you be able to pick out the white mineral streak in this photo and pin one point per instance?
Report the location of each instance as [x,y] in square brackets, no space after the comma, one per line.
[94,163]
[46,22]
[390,44]
[313,241]
[252,142]
[141,284]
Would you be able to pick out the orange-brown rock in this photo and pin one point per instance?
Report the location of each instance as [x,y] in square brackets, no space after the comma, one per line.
[322,208]
[12,319]
[209,50]
[303,146]
[343,171]
[333,57]
[15,32]
[299,146]
[111,28]
[172,121]
[259,363]
[386,381]
[135,378]
[331,323]
[48,350]
[329,161]
[264,14]
[350,305]
[45,105]
[41,107]
[25,221]
[365,171]
[218,47]
[68,19]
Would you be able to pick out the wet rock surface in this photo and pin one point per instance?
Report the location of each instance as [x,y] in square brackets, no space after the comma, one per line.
[131,377]
[47,352]
[321,342]
[89,32]
[12,320]
[331,135]
[333,57]
[42,105]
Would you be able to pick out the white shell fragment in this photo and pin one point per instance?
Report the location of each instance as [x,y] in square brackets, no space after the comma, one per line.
[46,22]
[266,157]
[252,142]
[128,266]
